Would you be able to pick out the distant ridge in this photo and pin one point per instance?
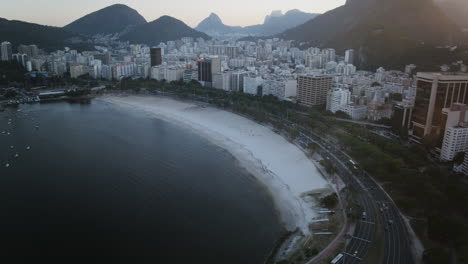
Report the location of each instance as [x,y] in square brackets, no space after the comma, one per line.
[46,37]
[163,29]
[371,28]
[112,19]
[275,23]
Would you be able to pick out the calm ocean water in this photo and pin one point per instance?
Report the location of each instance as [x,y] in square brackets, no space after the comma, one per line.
[103,183]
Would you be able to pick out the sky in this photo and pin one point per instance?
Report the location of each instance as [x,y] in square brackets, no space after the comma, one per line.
[232,12]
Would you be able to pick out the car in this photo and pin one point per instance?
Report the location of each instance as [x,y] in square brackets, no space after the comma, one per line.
[355,253]
[381,210]
[390,222]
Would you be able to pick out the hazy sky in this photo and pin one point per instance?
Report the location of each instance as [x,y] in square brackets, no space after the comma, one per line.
[232,12]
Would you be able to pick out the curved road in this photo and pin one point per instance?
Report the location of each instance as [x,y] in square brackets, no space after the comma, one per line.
[371,198]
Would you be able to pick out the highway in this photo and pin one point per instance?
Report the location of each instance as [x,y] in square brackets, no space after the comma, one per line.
[370,197]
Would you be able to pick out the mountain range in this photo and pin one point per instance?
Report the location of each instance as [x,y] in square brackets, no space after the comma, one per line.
[163,29]
[119,20]
[46,37]
[388,33]
[113,19]
[275,23]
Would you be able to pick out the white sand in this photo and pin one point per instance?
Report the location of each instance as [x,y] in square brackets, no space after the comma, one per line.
[281,166]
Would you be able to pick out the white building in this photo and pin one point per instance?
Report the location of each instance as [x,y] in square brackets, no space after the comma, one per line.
[455,141]
[281,88]
[356,112]
[337,97]
[456,131]
[252,84]
[6,51]
[222,80]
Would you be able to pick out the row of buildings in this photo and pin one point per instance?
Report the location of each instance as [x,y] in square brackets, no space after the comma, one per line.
[428,105]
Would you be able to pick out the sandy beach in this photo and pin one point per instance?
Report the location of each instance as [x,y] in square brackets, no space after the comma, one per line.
[279,165]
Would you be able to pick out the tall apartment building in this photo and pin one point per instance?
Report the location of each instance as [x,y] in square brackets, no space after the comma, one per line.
[6,51]
[21,59]
[232,52]
[206,68]
[349,56]
[222,81]
[313,89]
[156,56]
[434,92]
[336,98]
[237,81]
[456,131]
[30,50]
[465,164]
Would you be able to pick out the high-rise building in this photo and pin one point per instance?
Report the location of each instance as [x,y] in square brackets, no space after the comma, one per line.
[349,56]
[434,92]
[313,89]
[21,59]
[7,54]
[232,52]
[206,68]
[336,98]
[456,131]
[237,81]
[156,56]
[465,164]
[30,50]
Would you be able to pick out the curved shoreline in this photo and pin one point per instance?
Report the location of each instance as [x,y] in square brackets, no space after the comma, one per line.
[279,165]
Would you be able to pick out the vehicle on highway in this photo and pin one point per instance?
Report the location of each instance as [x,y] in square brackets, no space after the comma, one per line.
[337,258]
[364,215]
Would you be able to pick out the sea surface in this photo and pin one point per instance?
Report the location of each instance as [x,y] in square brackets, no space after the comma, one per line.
[120,186]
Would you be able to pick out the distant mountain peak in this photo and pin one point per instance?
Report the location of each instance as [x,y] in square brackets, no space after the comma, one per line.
[112,19]
[275,23]
[160,30]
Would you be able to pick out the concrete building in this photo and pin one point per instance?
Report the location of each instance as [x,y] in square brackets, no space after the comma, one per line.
[30,50]
[434,92]
[222,81]
[21,59]
[349,56]
[356,112]
[253,85]
[156,56]
[78,70]
[122,70]
[237,81]
[456,131]
[313,89]
[6,51]
[206,68]
[336,98]
[465,164]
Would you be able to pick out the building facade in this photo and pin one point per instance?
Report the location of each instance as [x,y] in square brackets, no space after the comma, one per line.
[313,89]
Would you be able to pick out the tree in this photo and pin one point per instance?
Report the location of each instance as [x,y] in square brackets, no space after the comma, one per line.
[329,201]
[313,147]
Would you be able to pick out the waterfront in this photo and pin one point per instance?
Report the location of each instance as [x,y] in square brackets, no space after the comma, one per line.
[127,186]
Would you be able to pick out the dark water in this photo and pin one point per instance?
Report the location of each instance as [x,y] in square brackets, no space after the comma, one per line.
[103,183]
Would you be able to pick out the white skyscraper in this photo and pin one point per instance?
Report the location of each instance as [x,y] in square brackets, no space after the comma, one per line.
[349,56]
[7,54]
[337,97]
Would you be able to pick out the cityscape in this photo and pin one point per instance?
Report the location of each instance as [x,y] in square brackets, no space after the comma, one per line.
[363,162]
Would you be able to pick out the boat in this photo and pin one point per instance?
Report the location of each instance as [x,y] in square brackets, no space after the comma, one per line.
[7,165]
[16,155]
[28,148]
[12,147]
